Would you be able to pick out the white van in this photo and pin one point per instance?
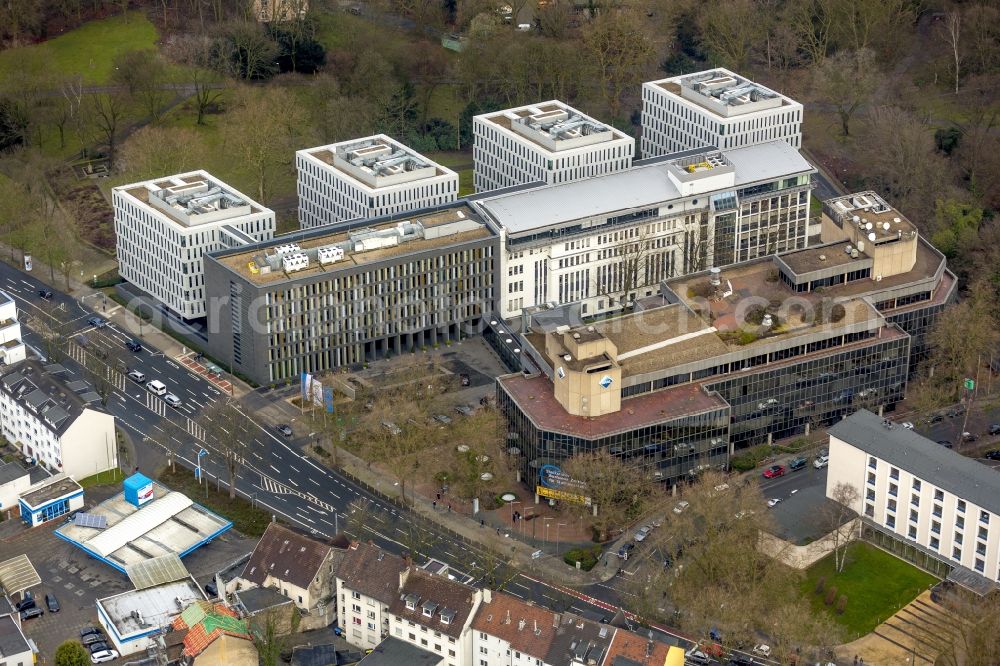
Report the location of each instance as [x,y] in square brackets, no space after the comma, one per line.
[156,387]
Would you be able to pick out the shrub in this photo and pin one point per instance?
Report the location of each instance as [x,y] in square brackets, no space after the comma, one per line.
[820,584]
[701,289]
[831,595]
[71,653]
[841,604]
[587,557]
[755,314]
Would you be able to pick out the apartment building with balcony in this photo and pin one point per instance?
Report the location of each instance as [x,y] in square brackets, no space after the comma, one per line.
[716,108]
[369,177]
[549,143]
[164,228]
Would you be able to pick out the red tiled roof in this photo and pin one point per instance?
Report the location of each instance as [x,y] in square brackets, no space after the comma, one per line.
[536,398]
[638,649]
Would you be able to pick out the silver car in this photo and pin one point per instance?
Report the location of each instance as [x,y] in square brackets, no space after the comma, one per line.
[642,533]
[172,400]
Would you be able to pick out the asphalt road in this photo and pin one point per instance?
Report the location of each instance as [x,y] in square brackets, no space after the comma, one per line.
[276,475]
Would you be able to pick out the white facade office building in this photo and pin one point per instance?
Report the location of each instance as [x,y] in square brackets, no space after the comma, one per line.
[919,493]
[715,108]
[12,349]
[610,240]
[164,228]
[368,177]
[548,143]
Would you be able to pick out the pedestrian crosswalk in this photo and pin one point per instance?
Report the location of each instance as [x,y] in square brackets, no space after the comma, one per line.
[277,488]
[156,405]
[195,430]
[77,353]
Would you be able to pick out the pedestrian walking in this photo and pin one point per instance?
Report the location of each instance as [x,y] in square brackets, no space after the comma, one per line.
[449,508]
[498,531]
[439,496]
[855,660]
[435,504]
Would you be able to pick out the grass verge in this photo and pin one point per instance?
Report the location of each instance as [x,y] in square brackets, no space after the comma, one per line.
[105,478]
[875,583]
[247,519]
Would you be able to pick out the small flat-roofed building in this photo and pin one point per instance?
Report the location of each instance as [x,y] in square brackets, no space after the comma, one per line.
[550,142]
[14,480]
[133,619]
[717,108]
[759,350]
[609,240]
[158,522]
[48,421]
[369,177]
[12,349]
[332,297]
[14,647]
[165,226]
[919,499]
[49,500]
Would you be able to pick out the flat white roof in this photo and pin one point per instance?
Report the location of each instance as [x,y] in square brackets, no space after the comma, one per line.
[722,92]
[376,162]
[140,611]
[169,523]
[192,199]
[554,127]
[634,188]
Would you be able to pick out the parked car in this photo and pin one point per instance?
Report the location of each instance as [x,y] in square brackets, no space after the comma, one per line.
[52,603]
[443,419]
[737,659]
[136,376]
[945,444]
[172,400]
[679,508]
[90,631]
[907,425]
[626,548]
[992,455]
[774,502]
[98,647]
[134,345]
[103,656]
[797,463]
[211,590]
[937,418]
[642,533]
[774,471]
[956,411]
[91,639]
[465,410]
[32,613]
[97,322]
[45,293]
[821,461]
[762,650]
[24,604]
[995,429]
[969,437]
[696,656]
[284,429]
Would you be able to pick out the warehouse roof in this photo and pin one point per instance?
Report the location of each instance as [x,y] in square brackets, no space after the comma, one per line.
[635,188]
[972,481]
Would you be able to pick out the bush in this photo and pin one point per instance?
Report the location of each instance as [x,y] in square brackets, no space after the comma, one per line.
[820,585]
[71,653]
[755,314]
[831,595]
[587,557]
[750,458]
[702,289]
[841,604]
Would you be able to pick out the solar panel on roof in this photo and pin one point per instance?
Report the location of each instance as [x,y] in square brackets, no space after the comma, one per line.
[91,520]
[156,571]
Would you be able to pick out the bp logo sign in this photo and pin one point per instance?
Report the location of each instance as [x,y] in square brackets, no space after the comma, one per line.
[606,381]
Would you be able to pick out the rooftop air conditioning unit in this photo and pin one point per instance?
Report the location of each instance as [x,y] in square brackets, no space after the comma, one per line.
[294,262]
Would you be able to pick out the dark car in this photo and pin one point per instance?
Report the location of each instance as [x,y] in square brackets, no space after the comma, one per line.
[211,590]
[992,455]
[937,418]
[796,463]
[957,411]
[93,639]
[97,322]
[465,379]
[969,437]
[945,444]
[737,659]
[284,429]
[774,471]
[134,345]
[90,631]
[624,551]
[32,613]
[995,428]
[45,293]
[98,647]
[24,604]
[52,603]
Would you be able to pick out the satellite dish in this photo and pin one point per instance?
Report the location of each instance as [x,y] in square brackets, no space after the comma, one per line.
[871,237]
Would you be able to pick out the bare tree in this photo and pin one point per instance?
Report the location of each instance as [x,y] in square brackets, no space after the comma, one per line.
[108,113]
[207,92]
[951,32]
[731,29]
[849,79]
[268,640]
[812,23]
[622,52]
[153,151]
[841,520]
[618,491]
[972,625]
[228,428]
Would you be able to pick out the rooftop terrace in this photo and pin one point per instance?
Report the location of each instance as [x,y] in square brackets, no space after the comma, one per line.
[192,199]
[320,251]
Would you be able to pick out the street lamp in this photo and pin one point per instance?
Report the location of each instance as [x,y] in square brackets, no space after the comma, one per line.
[546,521]
[197,473]
[558,525]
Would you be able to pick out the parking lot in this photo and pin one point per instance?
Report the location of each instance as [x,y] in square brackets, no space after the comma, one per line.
[78,581]
[803,498]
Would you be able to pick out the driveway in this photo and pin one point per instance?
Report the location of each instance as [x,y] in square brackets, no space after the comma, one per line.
[803,498]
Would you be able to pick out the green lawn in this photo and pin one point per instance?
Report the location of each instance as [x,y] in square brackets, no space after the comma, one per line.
[876,585]
[247,520]
[107,478]
[88,50]
[459,161]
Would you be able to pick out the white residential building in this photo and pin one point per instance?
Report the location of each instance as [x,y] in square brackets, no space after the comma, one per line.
[715,108]
[164,228]
[914,492]
[48,421]
[612,239]
[435,613]
[549,142]
[367,583]
[365,178]
[11,348]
